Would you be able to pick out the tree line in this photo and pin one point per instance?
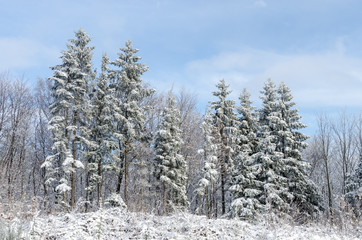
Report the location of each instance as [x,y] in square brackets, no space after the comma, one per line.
[81,139]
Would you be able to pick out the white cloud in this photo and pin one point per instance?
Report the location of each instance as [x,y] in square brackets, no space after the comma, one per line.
[328,79]
[260,3]
[20,53]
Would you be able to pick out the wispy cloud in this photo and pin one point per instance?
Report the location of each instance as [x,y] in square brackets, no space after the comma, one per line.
[21,53]
[324,79]
[260,3]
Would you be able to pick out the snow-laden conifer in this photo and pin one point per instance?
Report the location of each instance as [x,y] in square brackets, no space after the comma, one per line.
[170,165]
[290,142]
[129,91]
[248,124]
[70,111]
[267,157]
[226,123]
[245,187]
[102,129]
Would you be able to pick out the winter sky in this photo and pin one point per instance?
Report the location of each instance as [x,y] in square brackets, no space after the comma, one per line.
[314,46]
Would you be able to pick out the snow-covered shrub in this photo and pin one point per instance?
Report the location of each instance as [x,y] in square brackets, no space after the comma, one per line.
[10,229]
[115,200]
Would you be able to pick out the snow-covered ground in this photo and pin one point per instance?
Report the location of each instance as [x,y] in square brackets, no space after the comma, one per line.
[116,223]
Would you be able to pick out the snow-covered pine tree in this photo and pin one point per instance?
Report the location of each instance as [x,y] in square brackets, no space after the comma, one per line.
[226,122]
[207,184]
[353,194]
[102,129]
[129,117]
[245,187]
[70,111]
[290,141]
[170,165]
[248,127]
[268,159]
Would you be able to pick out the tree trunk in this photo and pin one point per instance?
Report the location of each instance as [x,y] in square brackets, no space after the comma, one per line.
[87,198]
[222,186]
[223,168]
[22,161]
[72,196]
[214,206]
[126,174]
[328,186]
[34,181]
[164,197]
[207,202]
[120,173]
[99,183]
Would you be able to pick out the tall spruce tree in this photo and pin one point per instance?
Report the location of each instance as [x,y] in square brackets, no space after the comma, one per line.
[245,187]
[226,122]
[290,142]
[129,117]
[207,183]
[70,111]
[248,127]
[268,157]
[105,144]
[170,165]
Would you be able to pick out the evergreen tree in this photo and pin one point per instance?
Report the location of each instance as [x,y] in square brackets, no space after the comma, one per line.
[102,103]
[245,187]
[209,172]
[170,165]
[268,158]
[290,141]
[129,117]
[226,122]
[248,127]
[70,111]
[354,189]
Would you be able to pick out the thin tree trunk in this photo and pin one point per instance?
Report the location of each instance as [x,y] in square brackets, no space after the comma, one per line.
[142,186]
[222,186]
[22,160]
[222,169]
[120,173]
[329,186]
[164,197]
[87,198]
[214,206]
[34,181]
[99,183]
[72,197]
[207,202]
[126,174]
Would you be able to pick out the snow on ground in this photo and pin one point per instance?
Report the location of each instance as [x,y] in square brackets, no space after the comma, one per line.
[117,223]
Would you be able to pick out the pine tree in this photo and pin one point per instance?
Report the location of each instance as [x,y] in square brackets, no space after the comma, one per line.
[70,111]
[226,122]
[245,187]
[290,141]
[129,117]
[248,127]
[170,165]
[268,158]
[105,144]
[353,194]
[207,183]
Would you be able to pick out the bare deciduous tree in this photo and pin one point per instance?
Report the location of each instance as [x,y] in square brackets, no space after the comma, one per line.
[324,138]
[344,144]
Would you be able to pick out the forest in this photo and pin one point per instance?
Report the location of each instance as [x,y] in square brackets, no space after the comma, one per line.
[86,139]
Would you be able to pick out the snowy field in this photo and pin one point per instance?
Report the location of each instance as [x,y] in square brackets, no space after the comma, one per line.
[119,224]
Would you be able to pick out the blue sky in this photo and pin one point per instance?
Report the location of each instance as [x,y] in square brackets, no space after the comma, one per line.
[314,46]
